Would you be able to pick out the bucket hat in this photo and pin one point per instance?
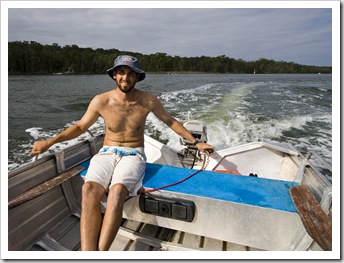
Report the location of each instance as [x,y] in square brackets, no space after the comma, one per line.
[126,60]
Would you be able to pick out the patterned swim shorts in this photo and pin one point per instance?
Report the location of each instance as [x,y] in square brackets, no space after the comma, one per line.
[118,165]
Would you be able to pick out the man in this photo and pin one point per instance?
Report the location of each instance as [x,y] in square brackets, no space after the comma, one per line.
[120,164]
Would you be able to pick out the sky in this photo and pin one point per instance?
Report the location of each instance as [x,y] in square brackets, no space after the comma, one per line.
[292,34]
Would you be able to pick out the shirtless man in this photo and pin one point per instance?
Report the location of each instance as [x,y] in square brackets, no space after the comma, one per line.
[120,164]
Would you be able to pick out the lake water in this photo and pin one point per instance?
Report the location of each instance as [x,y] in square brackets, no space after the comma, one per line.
[296,109]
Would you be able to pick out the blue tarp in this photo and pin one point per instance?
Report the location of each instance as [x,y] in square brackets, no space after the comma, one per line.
[227,187]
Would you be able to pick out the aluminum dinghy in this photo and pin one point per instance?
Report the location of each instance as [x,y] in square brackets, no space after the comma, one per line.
[239,200]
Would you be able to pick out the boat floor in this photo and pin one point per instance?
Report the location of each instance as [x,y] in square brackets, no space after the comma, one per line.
[136,236]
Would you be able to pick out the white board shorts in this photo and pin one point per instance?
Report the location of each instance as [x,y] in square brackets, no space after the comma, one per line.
[118,165]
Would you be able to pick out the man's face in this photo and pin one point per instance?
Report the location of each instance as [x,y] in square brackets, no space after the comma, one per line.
[125,78]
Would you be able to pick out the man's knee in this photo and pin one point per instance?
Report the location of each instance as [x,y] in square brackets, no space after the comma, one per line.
[92,191]
[118,192]
[119,189]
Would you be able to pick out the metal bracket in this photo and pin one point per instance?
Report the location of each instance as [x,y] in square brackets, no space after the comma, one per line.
[60,165]
[92,142]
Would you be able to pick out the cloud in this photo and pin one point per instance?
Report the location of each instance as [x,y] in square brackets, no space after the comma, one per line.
[291,34]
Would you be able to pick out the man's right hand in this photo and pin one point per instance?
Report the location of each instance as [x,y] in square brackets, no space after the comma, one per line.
[40,147]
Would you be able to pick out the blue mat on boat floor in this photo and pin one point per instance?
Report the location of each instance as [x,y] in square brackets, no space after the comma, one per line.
[227,187]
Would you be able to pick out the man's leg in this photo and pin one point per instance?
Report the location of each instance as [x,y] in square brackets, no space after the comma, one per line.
[113,215]
[91,217]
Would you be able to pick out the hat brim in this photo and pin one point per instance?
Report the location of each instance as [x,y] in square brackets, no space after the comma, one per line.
[141,73]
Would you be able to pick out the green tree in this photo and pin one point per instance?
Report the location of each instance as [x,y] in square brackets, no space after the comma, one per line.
[30,57]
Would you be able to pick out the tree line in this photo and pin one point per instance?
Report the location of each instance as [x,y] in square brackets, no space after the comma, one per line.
[29,57]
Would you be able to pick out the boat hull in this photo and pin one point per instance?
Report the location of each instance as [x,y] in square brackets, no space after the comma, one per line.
[249,211]
[251,226]
[51,220]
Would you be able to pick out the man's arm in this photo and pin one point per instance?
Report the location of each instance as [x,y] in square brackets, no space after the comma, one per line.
[160,112]
[90,117]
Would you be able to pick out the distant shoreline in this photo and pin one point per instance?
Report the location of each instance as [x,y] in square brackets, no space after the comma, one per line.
[53,59]
[162,73]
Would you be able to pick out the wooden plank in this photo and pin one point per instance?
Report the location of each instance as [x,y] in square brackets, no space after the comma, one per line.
[44,187]
[316,222]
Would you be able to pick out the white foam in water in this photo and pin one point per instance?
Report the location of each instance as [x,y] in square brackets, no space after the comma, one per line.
[34,132]
[242,130]
[167,134]
[226,118]
[40,134]
[228,109]
[95,129]
[229,122]
[193,94]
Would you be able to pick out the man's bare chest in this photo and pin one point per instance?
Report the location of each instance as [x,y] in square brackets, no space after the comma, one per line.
[119,118]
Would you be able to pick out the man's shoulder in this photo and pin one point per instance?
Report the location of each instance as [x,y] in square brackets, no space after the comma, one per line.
[146,94]
[105,95]
[102,98]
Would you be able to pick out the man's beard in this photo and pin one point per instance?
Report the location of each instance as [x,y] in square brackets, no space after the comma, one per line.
[126,89]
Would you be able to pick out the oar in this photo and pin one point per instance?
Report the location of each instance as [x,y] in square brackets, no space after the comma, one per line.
[44,187]
[316,222]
